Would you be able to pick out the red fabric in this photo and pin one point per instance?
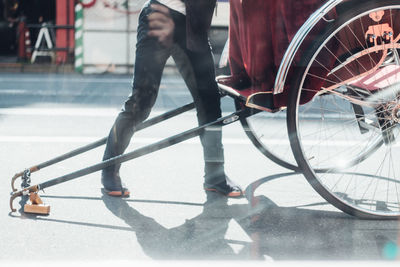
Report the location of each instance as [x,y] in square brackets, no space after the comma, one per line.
[260,32]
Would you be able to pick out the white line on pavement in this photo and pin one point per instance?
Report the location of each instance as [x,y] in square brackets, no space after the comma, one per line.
[122,80]
[151,140]
[76,112]
[89,139]
[42,80]
[81,112]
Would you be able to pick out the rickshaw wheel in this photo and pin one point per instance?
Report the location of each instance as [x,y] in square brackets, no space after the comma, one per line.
[345,138]
[262,128]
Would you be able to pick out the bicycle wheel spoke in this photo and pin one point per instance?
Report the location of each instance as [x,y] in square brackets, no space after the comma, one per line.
[346,137]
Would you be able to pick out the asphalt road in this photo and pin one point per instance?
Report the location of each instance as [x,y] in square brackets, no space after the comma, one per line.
[168,216]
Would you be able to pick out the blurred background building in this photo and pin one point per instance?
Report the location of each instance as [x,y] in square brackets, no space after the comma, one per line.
[89,36]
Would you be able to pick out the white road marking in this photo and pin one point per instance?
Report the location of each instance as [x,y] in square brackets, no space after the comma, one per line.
[90,139]
[151,140]
[77,112]
[73,112]
[41,80]
[122,80]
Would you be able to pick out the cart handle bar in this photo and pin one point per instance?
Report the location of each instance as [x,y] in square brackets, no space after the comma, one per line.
[80,150]
[167,142]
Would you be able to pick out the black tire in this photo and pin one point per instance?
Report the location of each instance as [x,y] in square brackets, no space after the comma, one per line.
[361,187]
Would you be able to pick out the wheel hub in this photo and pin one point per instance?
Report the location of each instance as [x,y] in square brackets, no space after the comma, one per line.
[396,113]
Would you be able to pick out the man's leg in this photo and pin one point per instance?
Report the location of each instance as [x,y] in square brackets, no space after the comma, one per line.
[149,64]
[198,72]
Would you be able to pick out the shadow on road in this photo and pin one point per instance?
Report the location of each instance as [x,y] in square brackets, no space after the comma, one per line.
[278,233]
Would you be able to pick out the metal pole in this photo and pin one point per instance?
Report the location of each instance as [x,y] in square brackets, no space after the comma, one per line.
[145,124]
[175,139]
[134,154]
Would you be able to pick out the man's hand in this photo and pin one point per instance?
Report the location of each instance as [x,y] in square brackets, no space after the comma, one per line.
[161,25]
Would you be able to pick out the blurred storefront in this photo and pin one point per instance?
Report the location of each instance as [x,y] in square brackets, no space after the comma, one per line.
[109,33]
[94,36]
[24,21]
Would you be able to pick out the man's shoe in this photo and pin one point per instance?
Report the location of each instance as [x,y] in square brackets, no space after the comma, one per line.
[239,82]
[225,188]
[123,192]
[113,186]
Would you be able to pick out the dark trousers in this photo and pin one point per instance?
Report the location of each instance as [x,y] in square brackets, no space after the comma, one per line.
[197,69]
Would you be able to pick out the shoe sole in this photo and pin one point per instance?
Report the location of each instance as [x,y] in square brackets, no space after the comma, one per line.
[231,194]
[124,193]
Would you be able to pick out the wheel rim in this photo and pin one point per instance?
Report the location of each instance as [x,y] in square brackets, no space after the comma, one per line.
[268,132]
[355,171]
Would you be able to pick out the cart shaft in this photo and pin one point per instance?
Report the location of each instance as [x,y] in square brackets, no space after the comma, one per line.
[144,150]
[145,124]
[134,154]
